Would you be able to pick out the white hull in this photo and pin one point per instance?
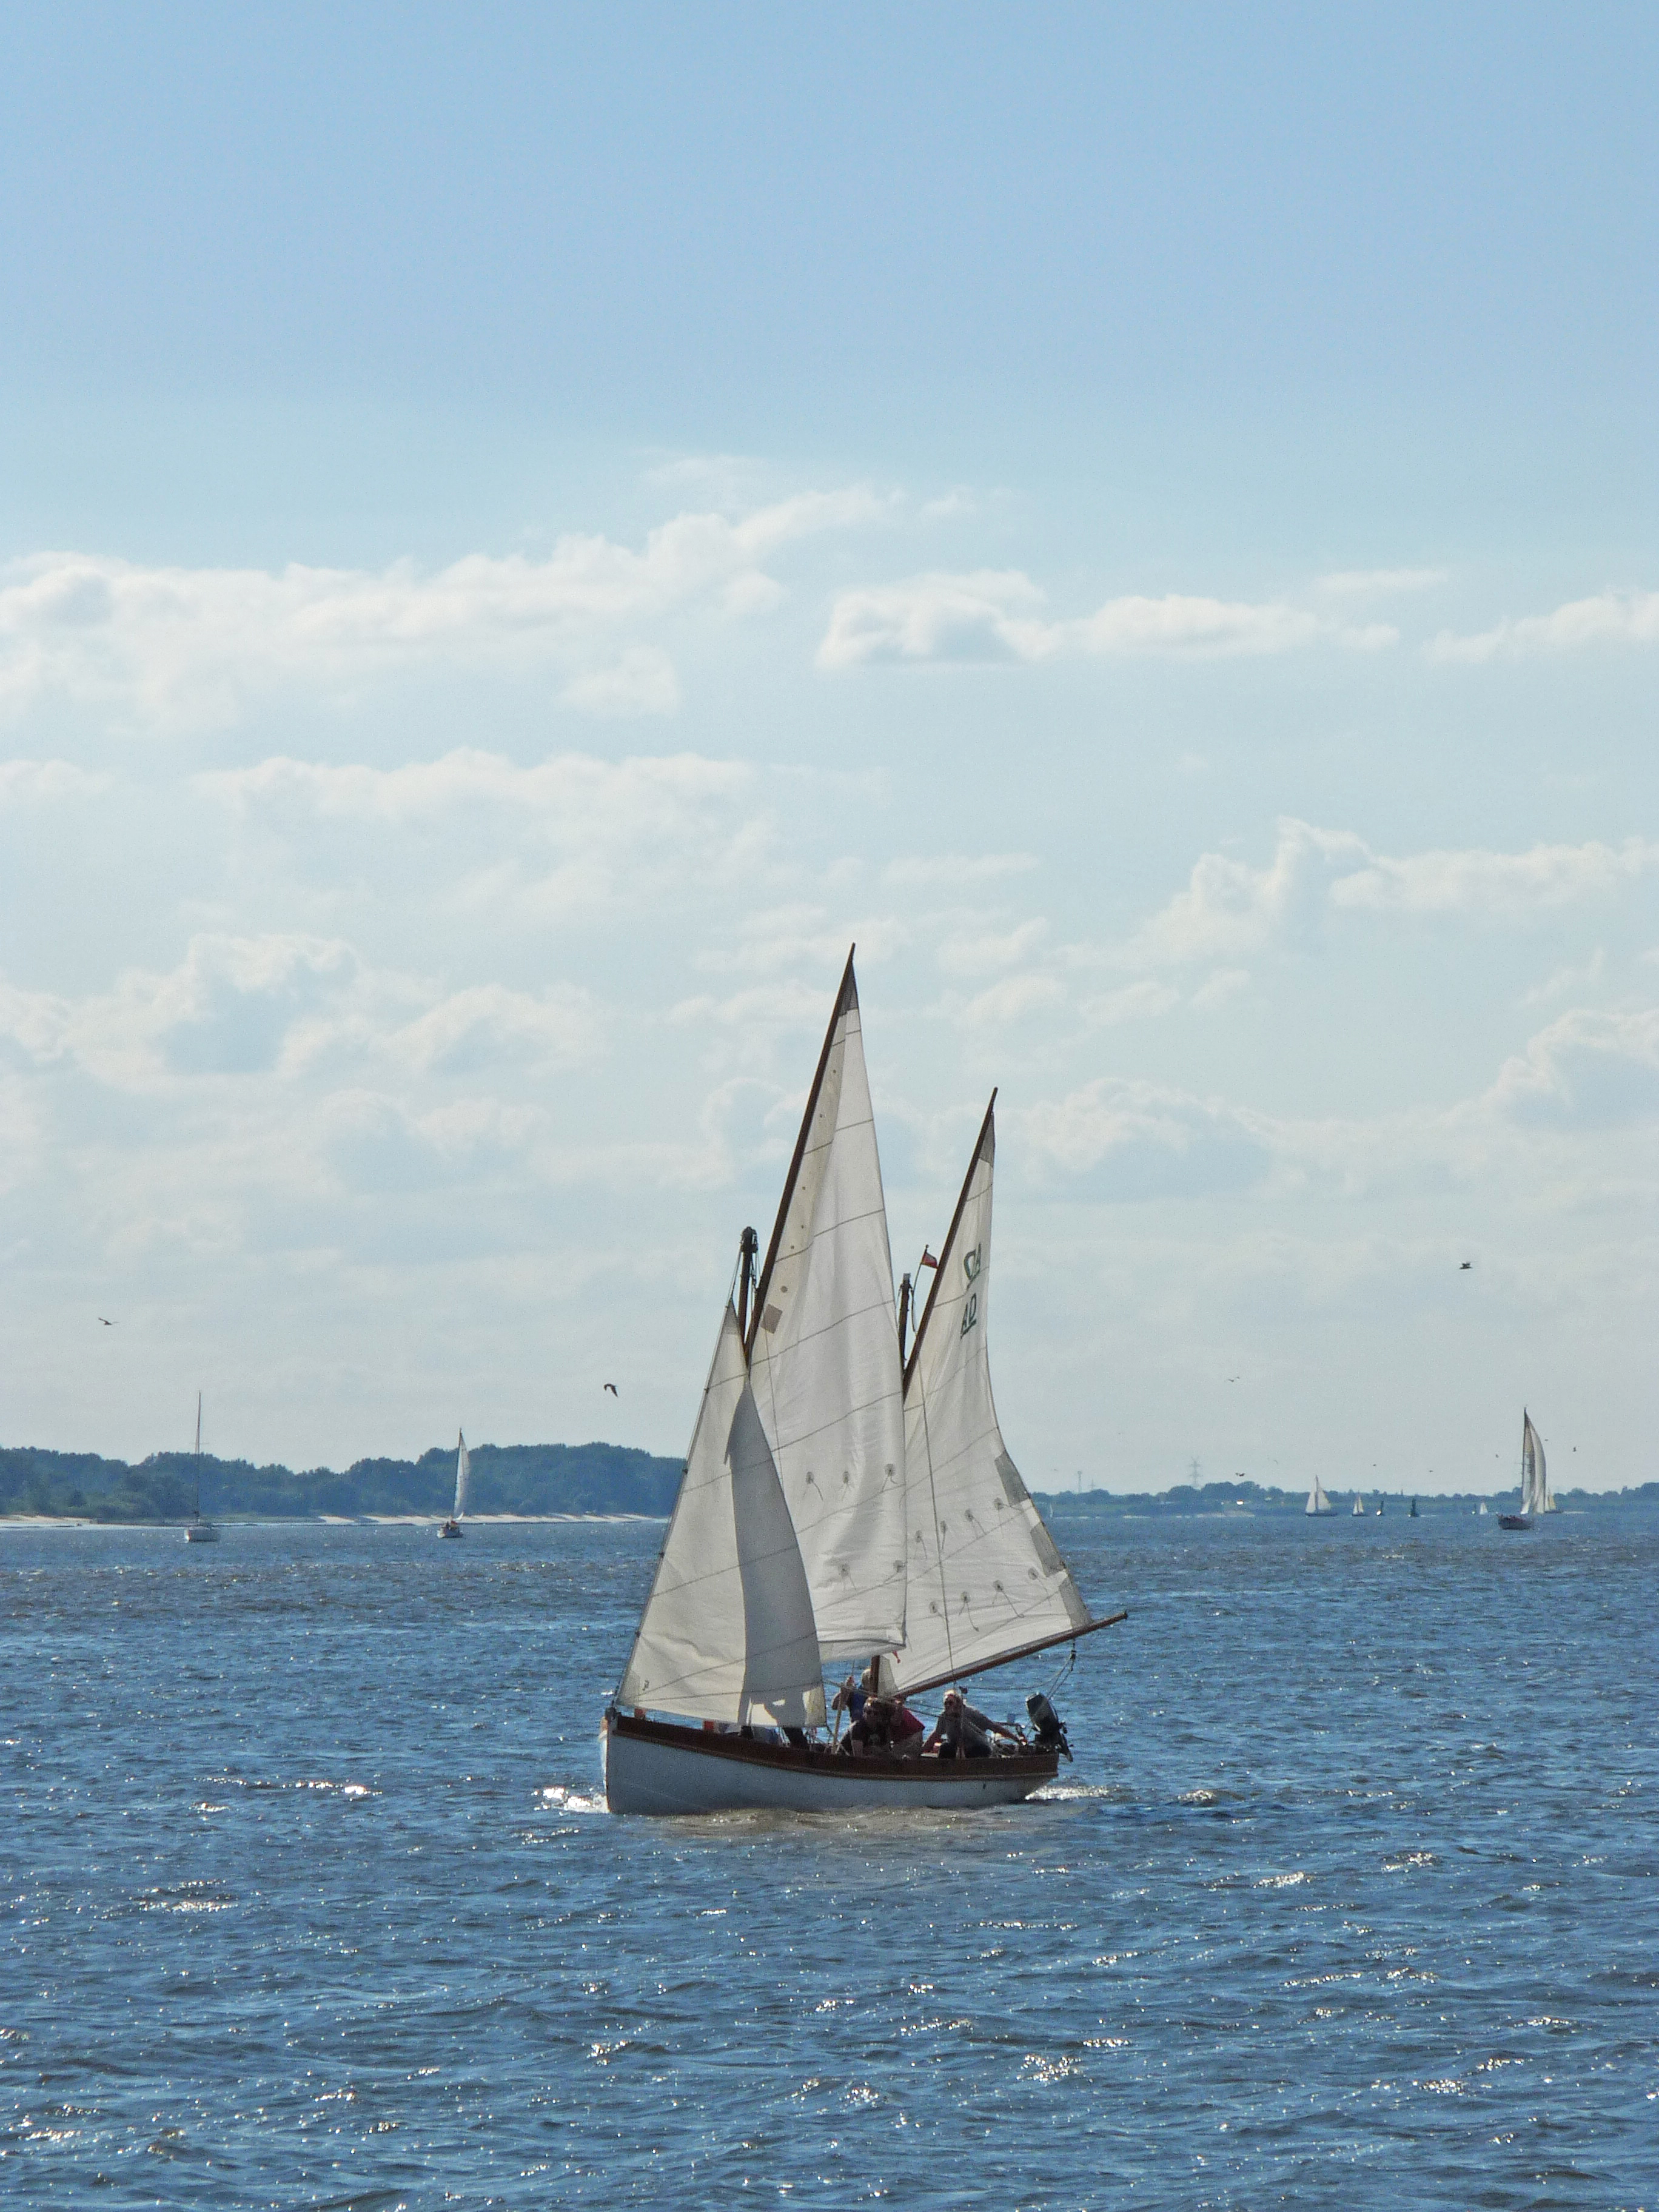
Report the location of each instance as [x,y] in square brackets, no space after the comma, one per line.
[654,1767]
[201,1532]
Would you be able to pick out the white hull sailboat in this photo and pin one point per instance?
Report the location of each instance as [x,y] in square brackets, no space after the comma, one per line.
[1536,1496]
[841,1502]
[198,1531]
[463,1480]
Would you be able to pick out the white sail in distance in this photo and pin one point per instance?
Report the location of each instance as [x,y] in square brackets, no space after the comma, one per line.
[1317,1501]
[823,1357]
[985,1579]
[463,1475]
[1535,1475]
[728,1632]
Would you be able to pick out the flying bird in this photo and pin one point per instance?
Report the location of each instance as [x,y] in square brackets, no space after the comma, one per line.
[1464,1265]
[107,1324]
[613,1389]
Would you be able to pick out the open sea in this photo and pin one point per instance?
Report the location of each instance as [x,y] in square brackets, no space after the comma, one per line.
[1351,1897]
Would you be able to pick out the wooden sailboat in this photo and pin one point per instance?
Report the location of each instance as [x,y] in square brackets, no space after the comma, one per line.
[463,1478]
[198,1531]
[1318,1499]
[1536,1497]
[839,1502]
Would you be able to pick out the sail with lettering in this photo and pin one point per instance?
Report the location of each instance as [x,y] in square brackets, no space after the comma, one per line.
[985,1579]
[823,1359]
[728,1633]
[1535,1496]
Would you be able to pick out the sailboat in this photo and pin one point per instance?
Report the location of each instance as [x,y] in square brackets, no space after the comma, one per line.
[840,1501]
[198,1531]
[1359,1507]
[1318,1501]
[1536,1497]
[462,1476]
[1412,1515]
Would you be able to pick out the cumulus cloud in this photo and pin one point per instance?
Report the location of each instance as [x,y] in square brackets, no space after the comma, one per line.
[190,644]
[1608,618]
[1230,909]
[995,615]
[1125,1140]
[24,781]
[1587,1069]
[284,1004]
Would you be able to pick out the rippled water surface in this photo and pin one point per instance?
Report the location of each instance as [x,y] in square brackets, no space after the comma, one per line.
[1349,1897]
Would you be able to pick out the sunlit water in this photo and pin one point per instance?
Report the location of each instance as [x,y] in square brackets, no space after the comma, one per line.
[1348,1899]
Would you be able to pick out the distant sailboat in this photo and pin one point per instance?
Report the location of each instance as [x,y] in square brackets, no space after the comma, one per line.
[198,1531]
[463,1476]
[1359,1507]
[1535,1496]
[1317,1500]
[1480,1509]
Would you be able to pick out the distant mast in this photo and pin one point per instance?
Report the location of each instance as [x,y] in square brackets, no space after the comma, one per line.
[1535,1495]
[1317,1500]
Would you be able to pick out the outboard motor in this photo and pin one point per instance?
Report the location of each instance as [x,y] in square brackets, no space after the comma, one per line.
[1048,1729]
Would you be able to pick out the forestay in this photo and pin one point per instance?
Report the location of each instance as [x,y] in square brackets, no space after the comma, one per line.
[727,1633]
[985,1577]
[823,1357]
[463,1476]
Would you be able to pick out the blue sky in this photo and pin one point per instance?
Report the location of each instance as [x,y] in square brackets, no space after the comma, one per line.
[518,542]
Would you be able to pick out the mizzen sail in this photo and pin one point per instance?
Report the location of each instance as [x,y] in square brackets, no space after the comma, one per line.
[728,1632]
[985,1580]
[823,1357]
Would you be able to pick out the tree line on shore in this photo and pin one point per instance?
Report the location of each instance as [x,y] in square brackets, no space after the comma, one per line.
[506,1478]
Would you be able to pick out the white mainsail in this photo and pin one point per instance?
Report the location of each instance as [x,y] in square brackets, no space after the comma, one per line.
[1535,1476]
[1359,1505]
[1317,1501]
[823,1357]
[463,1475]
[728,1632]
[985,1577]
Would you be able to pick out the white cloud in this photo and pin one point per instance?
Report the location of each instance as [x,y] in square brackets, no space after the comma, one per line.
[22,781]
[1608,618]
[1587,1069]
[993,615]
[1230,909]
[190,644]
[1135,1139]
[287,1005]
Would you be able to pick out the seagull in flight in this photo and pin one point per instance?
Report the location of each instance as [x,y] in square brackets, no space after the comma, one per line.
[611,1387]
[107,1324]
[1463,1266]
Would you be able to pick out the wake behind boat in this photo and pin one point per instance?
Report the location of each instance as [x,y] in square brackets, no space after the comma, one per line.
[842,1501]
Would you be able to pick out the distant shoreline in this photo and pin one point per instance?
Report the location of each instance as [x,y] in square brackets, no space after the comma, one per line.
[314,1521]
